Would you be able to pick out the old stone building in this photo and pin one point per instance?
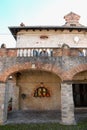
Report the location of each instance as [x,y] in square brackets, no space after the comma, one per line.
[46,71]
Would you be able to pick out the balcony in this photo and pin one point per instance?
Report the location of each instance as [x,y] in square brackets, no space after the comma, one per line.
[43,52]
[56,60]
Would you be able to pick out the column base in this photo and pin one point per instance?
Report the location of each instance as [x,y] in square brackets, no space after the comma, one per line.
[68,123]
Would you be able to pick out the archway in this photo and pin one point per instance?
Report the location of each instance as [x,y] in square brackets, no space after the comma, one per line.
[30,81]
[80,89]
[38,91]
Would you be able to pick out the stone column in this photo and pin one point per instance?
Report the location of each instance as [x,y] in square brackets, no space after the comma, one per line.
[67,104]
[3,104]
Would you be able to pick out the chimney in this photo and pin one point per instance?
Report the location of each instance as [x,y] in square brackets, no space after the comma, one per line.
[22,24]
[72,19]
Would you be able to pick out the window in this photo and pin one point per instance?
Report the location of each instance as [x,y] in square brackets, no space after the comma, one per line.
[72,24]
[43,37]
[41,91]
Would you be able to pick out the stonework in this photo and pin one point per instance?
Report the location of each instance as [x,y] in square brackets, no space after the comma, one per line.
[53,56]
[67,104]
[72,19]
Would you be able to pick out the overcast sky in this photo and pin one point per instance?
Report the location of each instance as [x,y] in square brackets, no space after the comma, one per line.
[36,12]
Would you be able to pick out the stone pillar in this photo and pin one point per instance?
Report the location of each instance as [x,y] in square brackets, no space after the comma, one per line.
[67,104]
[3,104]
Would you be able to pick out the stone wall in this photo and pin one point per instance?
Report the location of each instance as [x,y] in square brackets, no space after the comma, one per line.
[65,67]
[59,69]
[67,105]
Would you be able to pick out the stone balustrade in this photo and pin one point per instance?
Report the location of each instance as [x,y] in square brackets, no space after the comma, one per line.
[42,52]
[34,52]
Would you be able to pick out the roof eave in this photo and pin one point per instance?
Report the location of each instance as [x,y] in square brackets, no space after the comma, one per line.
[16,29]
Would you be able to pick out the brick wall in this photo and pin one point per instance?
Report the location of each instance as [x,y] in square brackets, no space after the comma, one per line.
[65,67]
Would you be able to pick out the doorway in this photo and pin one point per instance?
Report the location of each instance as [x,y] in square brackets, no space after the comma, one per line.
[80,95]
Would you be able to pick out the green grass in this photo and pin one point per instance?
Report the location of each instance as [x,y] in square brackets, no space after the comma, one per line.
[46,126]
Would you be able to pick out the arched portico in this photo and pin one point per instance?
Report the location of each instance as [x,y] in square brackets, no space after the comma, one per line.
[34,75]
[76,70]
[28,65]
[80,86]
[52,77]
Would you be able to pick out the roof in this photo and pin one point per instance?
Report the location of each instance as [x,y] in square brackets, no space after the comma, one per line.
[15,29]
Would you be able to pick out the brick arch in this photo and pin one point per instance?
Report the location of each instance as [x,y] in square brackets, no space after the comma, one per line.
[76,70]
[28,65]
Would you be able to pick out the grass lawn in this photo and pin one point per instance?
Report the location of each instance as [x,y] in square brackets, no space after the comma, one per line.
[48,126]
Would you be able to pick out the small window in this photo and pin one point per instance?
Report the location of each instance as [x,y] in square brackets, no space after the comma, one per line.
[72,24]
[41,92]
[43,37]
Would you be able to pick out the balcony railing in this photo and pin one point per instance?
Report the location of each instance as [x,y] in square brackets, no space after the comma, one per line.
[42,52]
[34,52]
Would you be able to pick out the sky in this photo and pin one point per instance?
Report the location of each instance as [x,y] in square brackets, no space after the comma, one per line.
[36,13]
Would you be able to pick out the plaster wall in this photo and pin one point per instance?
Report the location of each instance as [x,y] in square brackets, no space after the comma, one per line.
[29,39]
[30,81]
